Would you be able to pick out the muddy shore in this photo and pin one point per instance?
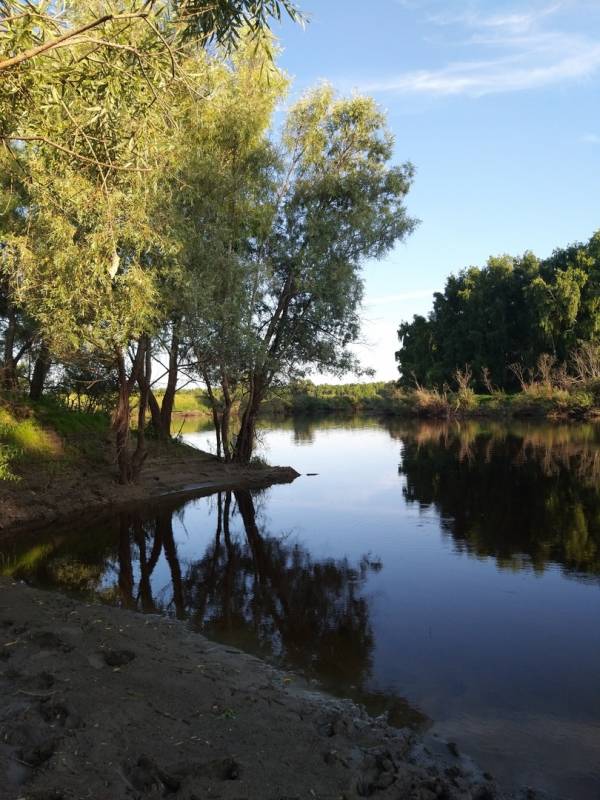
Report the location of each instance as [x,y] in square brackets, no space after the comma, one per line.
[43,496]
[96,702]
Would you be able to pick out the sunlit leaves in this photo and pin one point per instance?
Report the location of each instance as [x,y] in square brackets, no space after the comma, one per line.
[512,311]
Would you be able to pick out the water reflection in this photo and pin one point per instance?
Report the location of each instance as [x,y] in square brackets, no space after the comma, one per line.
[264,593]
[528,496]
[453,564]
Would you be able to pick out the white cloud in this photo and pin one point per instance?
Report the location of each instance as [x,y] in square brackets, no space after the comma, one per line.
[591,138]
[498,75]
[517,22]
[526,56]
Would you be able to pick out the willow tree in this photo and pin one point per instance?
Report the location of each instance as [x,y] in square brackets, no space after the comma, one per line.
[91,102]
[85,267]
[223,203]
[335,199]
[298,216]
[43,43]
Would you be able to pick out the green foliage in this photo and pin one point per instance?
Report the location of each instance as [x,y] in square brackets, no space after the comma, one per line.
[188,401]
[222,21]
[306,398]
[511,311]
[95,124]
[96,55]
[148,198]
[339,202]
[303,398]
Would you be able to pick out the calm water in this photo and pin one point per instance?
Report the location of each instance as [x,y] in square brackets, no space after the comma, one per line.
[448,574]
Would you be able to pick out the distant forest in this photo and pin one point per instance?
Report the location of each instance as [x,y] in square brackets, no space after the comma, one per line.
[502,318]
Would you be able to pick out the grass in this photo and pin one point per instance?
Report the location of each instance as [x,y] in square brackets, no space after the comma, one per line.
[22,437]
[189,401]
[48,434]
[67,422]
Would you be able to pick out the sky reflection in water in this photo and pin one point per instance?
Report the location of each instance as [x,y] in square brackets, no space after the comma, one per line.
[447,573]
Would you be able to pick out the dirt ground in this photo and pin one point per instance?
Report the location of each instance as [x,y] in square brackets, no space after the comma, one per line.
[43,496]
[100,703]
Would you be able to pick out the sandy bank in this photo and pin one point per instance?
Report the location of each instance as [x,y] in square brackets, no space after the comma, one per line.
[45,495]
[101,703]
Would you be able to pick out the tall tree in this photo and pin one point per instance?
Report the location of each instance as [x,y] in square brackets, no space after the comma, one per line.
[336,200]
[297,219]
[93,121]
[224,211]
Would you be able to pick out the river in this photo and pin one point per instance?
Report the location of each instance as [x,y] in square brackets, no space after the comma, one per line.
[445,574]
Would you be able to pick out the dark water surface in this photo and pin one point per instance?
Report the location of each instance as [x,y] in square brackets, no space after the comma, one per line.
[448,574]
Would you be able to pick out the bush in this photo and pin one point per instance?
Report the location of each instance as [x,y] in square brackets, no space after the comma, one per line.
[429,402]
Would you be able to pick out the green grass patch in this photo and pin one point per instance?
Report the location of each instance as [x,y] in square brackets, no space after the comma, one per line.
[21,437]
[188,401]
[47,433]
[69,422]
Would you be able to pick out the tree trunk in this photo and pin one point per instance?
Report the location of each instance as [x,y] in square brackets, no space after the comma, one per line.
[121,423]
[226,418]
[166,411]
[40,373]
[244,445]
[154,412]
[9,367]
[144,380]
[214,407]
[121,419]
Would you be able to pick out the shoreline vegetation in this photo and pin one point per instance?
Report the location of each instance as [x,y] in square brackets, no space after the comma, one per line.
[542,396]
[57,460]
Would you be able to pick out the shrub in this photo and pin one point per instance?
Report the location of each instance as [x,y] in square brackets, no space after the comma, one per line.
[429,402]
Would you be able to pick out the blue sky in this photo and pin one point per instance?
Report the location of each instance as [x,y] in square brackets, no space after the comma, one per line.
[497,105]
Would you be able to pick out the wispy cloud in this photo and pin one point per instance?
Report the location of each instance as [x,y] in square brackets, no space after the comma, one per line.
[590,138]
[497,75]
[519,52]
[516,22]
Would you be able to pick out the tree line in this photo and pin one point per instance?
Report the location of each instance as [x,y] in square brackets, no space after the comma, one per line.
[507,320]
[157,227]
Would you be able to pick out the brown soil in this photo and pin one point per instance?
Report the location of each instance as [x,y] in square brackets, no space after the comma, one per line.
[96,702]
[49,492]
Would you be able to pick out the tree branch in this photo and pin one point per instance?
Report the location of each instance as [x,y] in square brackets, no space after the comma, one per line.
[74,153]
[70,35]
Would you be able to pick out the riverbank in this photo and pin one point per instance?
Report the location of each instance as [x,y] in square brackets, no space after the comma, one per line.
[537,401]
[51,491]
[109,704]
[56,462]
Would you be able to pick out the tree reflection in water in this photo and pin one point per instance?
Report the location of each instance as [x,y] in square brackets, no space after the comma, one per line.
[271,594]
[528,496]
[263,593]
